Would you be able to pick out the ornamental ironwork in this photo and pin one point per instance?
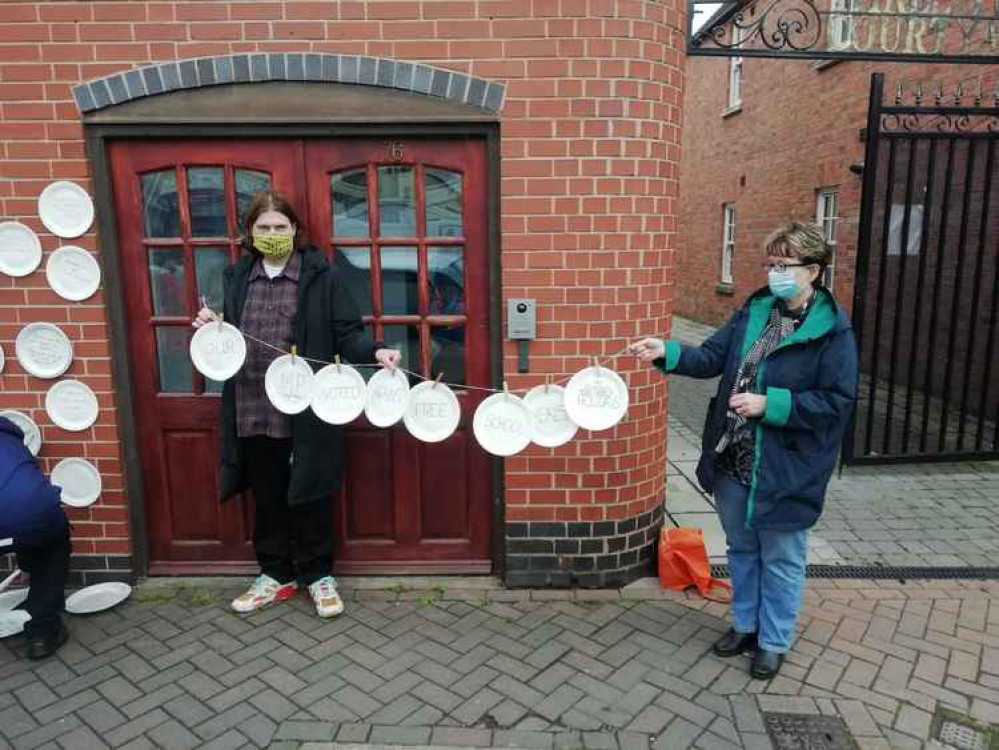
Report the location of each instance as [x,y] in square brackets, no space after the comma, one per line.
[946,31]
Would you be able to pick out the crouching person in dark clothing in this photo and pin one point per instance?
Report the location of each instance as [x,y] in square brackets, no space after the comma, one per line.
[34,526]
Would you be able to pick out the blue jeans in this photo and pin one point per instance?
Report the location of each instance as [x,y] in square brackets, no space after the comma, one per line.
[767,568]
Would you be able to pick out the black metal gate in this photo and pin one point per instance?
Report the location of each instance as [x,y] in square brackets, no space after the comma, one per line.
[927,287]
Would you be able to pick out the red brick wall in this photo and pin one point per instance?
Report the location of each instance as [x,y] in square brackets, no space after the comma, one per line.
[590,148]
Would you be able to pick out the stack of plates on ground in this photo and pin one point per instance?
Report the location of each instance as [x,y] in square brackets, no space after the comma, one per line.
[11,620]
[20,249]
[97,598]
[71,405]
[79,481]
[433,412]
[339,394]
[289,383]
[65,209]
[388,397]
[73,273]
[43,350]
[552,426]
[218,350]
[32,435]
[596,398]
[502,424]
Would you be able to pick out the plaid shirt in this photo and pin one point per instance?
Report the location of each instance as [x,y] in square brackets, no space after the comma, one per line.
[269,315]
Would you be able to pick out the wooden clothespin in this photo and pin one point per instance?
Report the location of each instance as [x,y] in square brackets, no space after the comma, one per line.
[596,364]
[506,390]
[336,360]
[548,382]
[221,319]
[294,353]
[439,376]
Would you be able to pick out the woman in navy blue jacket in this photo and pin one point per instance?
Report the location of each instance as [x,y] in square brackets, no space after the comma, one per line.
[788,366]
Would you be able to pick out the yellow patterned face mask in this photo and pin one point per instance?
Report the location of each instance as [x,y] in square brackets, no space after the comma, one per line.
[274,246]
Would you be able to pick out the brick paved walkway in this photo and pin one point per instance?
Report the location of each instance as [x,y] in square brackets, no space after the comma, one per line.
[601,670]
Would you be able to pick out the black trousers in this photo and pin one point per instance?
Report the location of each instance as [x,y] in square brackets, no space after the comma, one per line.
[44,556]
[291,542]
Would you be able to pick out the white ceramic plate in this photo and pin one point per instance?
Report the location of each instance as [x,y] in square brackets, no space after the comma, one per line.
[289,383]
[79,480]
[552,426]
[97,598]
[218,350]
[73,273]
[20,249]
[12,623]
[3,360]
[596,398]
[43,350]
[339,394]
[502,424]
[71,405]
[433,412]
[12,598]
[388,397]
[32,435]
[65,209]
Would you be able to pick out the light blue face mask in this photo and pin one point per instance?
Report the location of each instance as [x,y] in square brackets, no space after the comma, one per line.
[782,284]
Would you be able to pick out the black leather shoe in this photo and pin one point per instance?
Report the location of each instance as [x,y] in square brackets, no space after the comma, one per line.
[766,664]
[733,644]
[42,646]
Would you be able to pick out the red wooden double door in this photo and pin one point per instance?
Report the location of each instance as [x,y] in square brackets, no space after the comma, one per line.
[405,220]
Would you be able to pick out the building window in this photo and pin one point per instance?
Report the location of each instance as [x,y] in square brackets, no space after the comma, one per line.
[728,242]
[897,221]
[841,24]
[735,72]
[827,217]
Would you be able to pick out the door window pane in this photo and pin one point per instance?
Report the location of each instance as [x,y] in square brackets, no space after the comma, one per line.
[172,344]
[248,184]
[160,206]
[446,280]
[355,266]
[447,353]
[167,282]
[350,204]
[407,340]
[396,202]
[209,263]
[206,197]
[399,281]
[443,203]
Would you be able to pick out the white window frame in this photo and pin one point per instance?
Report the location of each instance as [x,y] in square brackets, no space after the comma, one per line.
[827,217]
[841,24]
[735,73]
[728,242]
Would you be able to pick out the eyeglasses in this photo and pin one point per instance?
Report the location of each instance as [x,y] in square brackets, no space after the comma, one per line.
[780,266]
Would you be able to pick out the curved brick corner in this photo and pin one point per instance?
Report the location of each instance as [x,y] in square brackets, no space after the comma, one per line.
[288,66]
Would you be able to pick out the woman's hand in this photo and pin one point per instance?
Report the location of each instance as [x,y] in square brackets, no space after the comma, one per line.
[748,405]
[648,349]
[388,358]
[205,315]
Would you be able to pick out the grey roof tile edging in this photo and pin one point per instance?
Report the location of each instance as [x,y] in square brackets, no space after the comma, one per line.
[161,78]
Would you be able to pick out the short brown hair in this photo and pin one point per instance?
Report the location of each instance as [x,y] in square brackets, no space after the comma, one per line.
[262,202]
[801,240]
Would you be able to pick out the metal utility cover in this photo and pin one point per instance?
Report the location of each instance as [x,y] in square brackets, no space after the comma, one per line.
[808,732]
[962,736]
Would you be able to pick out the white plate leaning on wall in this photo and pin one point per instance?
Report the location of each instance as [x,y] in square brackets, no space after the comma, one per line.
[502,424]
[79,480]
[339,394]
[71,405]
[596,398]
[73,273]
[552,426]
[65,209]
[20,249]
[433,412]
[289,383]
[218,350]
[43,350]
[32,435]
[97,598]
[388,397]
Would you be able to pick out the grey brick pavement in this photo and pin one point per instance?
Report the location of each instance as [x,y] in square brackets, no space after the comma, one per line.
[492,667]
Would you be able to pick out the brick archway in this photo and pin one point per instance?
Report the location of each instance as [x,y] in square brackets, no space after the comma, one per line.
[201,72]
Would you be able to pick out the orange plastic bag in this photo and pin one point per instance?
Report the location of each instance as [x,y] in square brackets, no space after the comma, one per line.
[683,562]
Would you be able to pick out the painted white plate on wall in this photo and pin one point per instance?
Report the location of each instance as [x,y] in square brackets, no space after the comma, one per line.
[218,350]
[12,623]
[552,426]
[433,412]
[32,435]
[20,249]
[502,424]
[73,273]
[65,209]
[289,383]
[43,350]
[388,397]
[339,395]
[97,598]
[79,480]
[596,398]
[71,405]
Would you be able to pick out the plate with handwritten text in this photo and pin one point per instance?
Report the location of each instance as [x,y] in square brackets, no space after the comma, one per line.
[596,398]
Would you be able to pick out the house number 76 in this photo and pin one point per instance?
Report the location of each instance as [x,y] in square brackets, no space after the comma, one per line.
[395,149]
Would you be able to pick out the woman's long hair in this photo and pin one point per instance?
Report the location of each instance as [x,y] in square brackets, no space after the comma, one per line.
[262,202]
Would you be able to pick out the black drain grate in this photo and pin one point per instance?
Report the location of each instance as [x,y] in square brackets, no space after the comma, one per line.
[889,572]
[808,732]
